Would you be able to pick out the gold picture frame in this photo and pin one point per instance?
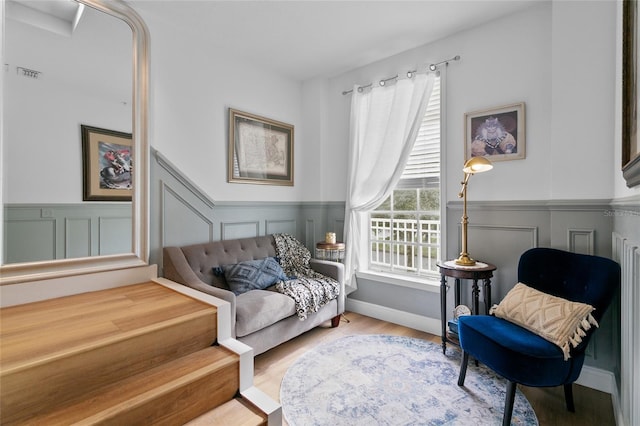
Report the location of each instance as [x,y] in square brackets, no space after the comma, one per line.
[107,164]
[630,98]
[496,133]
[260,150]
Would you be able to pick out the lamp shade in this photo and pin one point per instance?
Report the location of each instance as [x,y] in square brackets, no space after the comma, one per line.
[477,165]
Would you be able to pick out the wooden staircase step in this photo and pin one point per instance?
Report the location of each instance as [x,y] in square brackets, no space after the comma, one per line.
[236,412]
[170,394]
[55,350]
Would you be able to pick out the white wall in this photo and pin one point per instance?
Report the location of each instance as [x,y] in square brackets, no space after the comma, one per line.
[192,89]
[582,103]
[500,65]
[320,167]
[558,58]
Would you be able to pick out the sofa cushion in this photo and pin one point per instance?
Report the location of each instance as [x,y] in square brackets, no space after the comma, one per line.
[257,309]
[253,275]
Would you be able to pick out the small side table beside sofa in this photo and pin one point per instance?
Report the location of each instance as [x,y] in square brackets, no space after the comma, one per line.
[333,251]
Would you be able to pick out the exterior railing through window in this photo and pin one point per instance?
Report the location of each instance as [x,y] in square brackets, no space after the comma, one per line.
[405,245]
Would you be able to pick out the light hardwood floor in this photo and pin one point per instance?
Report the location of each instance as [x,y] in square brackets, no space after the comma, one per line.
[592,407]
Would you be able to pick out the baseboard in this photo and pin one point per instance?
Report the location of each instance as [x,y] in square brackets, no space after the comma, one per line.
[590,377]
[596,378]
[616,401]
[417,322]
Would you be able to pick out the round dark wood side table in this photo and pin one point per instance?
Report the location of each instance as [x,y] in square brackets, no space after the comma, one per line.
[480,271]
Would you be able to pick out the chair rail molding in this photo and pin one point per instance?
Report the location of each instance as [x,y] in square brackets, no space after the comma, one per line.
[181,178]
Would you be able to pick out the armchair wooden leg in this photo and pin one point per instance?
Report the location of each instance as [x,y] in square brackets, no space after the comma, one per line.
[463,368]
[508,403]
[568,397]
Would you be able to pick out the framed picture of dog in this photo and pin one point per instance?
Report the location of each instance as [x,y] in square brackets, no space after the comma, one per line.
[107,164]
[496,133]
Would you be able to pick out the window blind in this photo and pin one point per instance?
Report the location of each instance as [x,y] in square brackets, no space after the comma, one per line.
[423,166]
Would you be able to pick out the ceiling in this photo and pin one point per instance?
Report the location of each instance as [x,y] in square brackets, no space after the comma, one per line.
[58,16]
[303,39]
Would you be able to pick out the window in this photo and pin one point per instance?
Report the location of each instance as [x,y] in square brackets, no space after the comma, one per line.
[405,230]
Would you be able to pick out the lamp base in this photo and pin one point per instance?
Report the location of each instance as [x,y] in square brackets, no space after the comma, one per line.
[465,260]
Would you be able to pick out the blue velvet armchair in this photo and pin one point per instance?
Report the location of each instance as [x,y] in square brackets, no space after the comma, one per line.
[524,357]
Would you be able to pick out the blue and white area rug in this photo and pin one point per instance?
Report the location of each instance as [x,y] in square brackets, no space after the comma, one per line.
[393,380]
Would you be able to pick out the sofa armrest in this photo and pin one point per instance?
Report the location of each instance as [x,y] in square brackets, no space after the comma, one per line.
[333,270]
[176,268]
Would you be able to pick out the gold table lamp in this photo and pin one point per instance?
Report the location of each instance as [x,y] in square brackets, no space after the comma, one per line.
[472,166]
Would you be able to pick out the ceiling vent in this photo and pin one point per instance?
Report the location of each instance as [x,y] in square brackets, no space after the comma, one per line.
[26,72]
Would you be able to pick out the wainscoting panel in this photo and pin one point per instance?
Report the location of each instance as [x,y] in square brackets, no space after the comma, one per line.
[230,220]
[30,240]
[287,226]
[233,230]
[582,228]
[180,213]
[78,237]
[114,235]
[310,232]
[183,222]
[627,252]
[36,232]
[581,240]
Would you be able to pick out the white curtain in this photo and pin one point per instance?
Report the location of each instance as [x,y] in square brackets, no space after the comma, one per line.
[383,128]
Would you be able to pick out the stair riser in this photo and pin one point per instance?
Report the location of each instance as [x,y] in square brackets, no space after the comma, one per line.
[43,387]
[237,412]
[180,405]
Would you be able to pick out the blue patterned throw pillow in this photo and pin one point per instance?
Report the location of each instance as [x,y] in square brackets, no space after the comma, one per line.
[253,275]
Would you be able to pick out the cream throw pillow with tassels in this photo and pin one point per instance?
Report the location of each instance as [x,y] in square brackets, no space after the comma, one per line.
[558,320]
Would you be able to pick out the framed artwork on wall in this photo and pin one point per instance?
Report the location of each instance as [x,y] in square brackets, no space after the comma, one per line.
[106,164]
[630,98]
[496,133]
[260,150]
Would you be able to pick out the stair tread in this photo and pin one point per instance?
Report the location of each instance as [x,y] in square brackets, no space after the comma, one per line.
[77,344]
[134,391]
[38,332]
[237,412]
[138,354]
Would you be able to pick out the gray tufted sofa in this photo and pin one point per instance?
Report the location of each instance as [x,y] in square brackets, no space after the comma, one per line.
[261,319]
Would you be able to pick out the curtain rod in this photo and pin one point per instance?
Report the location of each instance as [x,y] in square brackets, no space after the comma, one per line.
[432,67]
